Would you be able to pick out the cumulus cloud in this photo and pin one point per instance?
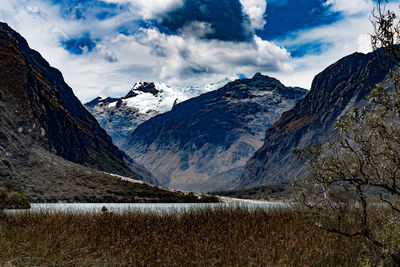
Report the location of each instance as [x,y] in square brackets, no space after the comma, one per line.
[150,9]
[186,56]
[109,55]
[344,37]
[226,18]
[255,9]
[196,29]
[97,57]
[103,47]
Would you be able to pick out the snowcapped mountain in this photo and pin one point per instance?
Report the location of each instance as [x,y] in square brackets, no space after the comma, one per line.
[203,143]
[120,116]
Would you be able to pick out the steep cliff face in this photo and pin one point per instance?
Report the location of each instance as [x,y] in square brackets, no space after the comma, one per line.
[203,143]
[341,86]
[37,104]
[49,143]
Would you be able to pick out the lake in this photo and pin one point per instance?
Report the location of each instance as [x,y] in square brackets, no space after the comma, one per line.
[143,207]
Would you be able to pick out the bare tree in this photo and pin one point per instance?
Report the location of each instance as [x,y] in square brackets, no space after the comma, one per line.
[386,29]
[360,166]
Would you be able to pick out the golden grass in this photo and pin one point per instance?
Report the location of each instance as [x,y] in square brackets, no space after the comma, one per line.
[219,237]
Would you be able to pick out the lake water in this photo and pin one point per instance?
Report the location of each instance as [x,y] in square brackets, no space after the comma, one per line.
[143,207]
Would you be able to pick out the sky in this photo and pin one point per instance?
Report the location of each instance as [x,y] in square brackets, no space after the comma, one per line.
[103,47]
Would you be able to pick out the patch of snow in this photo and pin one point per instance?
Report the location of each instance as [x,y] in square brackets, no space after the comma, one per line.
[262,93]
[239,200]
[138,85]
[167,96]
[144,102]
[113,104]
[123,178]
[194,91]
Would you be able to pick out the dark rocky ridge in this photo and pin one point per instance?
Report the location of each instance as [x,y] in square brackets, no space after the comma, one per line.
[144,87]
[341,86]
[99,100]
[41,97]
[203,143]
[46,135]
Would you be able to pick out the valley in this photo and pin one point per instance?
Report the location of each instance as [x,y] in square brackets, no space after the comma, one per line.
[289,158]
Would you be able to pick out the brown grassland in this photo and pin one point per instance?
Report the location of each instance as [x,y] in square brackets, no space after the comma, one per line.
[218,237]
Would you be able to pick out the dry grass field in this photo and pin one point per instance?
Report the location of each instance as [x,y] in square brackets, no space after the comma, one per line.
[218,237]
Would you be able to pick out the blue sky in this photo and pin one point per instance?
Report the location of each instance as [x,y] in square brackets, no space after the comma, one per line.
[104,47]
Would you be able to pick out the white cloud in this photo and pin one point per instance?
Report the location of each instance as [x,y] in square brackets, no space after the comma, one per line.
[255,9]
[118,61]
[343,37]
[150,9]
[351,7]
[103,50]
[196,28]
[182,56]
[364,43]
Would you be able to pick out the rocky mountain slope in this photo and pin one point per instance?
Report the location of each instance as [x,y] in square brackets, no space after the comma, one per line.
[50,145]
[120,116]
[339,87]
[37,104]
[203,143]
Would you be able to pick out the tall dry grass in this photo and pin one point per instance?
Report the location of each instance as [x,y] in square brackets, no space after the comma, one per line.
[219,237]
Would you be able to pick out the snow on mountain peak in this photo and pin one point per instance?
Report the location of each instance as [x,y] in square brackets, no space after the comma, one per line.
[159,97]
[153,96]
[120,116]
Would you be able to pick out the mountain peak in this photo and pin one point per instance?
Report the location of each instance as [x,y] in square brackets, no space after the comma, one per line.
[145,87]
[257,75]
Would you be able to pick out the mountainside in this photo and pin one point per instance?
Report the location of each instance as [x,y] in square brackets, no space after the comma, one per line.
[49,144]
[203,143]
[120,116]
[37,104]
[341,86]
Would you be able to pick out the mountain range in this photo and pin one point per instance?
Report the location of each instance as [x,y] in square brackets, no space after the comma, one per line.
[51,146]
[203,143]
[235,137]
[228,135]
[120,116]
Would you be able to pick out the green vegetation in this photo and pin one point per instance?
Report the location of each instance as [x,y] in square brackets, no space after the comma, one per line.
[11,197]
[360,165]
[220,237]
